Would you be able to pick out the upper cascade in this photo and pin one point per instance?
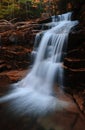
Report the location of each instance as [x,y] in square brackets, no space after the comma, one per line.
[62,17]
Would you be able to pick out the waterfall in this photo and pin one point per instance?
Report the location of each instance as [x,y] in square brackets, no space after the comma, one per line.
[35,94]
[63,17]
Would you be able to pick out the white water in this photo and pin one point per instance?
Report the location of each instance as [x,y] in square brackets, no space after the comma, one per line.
[35,93]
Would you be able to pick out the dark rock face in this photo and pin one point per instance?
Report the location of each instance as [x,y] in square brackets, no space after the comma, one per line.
[13,58]
[74,62]
[16,45]
[14,62]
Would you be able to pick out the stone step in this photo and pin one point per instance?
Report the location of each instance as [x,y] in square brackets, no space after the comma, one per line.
[74,63]
[74,70]
[75,40]
[3,67]
[74,78]
[2,62]
[76,54]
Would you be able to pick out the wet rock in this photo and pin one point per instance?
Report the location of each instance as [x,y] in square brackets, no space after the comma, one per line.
[76,39]
[4,78]
[4,83]
[12,76]
[79,97]
[74,62]
[74,78]
[14,58]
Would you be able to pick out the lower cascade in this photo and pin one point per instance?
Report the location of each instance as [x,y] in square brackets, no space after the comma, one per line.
[35,94]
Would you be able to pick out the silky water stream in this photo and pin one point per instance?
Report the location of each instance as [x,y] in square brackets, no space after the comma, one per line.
[34,94]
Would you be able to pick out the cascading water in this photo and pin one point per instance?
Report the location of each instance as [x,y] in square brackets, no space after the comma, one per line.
[35,93]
